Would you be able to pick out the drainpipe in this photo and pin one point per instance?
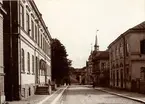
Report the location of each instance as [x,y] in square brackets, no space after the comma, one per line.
[11,53]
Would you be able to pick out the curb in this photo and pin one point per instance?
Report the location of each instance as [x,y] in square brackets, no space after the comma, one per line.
[59,96]
[45,99]
[120,95]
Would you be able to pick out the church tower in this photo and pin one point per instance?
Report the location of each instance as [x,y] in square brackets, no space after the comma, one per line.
[96,47]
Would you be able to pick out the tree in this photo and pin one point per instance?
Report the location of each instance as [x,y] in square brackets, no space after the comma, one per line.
[59,61]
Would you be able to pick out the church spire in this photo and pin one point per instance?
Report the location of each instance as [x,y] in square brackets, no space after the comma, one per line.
[96,47]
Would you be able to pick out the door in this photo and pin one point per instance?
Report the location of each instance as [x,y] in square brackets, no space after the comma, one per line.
[121,78]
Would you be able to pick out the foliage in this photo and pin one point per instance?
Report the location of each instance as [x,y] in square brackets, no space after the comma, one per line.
[59,61]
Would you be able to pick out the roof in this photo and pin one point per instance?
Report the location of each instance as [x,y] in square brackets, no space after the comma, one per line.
[102,55]
[138,28]
[32,2]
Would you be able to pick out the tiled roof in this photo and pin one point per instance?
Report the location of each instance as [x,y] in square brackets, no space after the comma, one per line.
[140,26]
[102,55]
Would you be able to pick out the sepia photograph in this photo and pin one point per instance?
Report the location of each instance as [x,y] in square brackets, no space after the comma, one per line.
[72,51]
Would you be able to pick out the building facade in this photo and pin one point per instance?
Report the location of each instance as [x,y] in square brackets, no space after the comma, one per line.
[2,74]
[27,57]
[127,59]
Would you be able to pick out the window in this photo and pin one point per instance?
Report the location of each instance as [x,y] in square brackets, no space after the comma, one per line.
[121,51]
[36,31]
[29,91]
[41,41]
[117,52]
[113,54]
[102,65]
[32,64]
[38,37]
[23,61]
[47,49]
[142,47]
[42,72]
[43,44]
[32,29]
[143,73]
[127,49]
[28,62]
[21,16]
[110,56]
[27,23]
[113,78]
[117,77]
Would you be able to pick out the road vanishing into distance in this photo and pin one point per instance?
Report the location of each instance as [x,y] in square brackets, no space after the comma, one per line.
[78,94]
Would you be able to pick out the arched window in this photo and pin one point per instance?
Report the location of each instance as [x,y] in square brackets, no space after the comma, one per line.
[142,47]
[127,48]
[27,23]
[28,62]
[22,16]
[33,64]
[117,75]
[23,60]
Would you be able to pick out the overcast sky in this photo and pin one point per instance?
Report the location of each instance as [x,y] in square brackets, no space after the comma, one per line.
[74,23]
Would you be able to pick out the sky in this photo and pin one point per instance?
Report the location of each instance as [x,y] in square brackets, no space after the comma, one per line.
[75,22]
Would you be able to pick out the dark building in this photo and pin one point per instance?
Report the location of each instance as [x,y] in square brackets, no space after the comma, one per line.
[101,68]
[97,66]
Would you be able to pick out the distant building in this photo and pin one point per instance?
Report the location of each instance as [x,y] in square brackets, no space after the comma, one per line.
[98,66]
[89,68]
[2,74]
[89,63]
[101,68]
[26,49]
[80,74]
[127,59]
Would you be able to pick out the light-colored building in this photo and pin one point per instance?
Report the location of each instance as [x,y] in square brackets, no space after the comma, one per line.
[127,59]
[2,74]
[27,56]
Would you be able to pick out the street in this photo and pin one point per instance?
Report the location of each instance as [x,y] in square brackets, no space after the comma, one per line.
[78,94]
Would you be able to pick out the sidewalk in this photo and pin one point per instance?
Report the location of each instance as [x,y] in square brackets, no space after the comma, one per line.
[126,94]
[40,99]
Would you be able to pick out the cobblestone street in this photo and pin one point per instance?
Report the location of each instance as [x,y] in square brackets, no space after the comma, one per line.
[77,94]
